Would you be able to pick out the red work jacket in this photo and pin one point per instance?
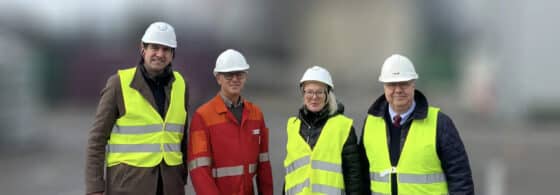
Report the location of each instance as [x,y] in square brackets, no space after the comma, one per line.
[227,157]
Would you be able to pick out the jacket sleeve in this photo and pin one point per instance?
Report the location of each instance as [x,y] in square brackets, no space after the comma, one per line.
[200,158]
[453,156]
[264,174]
[105,118]
[365,181]
[351,167]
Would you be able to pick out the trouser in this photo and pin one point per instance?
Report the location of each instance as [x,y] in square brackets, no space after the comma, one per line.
[159,180]
[159,190]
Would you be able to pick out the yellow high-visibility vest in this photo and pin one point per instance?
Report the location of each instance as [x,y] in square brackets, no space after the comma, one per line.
[141,137]
[418,170]
[317,171]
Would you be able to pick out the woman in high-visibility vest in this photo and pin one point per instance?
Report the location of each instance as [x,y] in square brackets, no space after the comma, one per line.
[321,152]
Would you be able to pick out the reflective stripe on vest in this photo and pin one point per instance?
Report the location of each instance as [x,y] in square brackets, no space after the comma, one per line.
[128,148]
[314,188]
[315,165]
[318,188]
[147,129]
[418,170]
[297,164]
[298,187]
[325,166]
[379,177]
[410,178]
[326,189]
[422,179]
[318,170]
[141,137]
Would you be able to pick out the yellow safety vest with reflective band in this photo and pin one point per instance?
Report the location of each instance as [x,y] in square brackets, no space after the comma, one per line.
[141,137]
[317,171]
[418,170]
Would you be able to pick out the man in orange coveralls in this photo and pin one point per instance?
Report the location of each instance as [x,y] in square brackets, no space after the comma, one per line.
[228,146]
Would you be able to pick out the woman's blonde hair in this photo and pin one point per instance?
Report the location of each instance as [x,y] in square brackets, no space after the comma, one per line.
[331,102]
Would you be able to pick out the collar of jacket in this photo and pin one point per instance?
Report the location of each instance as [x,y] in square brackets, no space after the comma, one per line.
[220,105]
[139,82]
[229,103]
[379,107]
[318,118]
[165,77]
[313,118]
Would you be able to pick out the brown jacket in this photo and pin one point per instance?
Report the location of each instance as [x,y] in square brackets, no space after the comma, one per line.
[124,179]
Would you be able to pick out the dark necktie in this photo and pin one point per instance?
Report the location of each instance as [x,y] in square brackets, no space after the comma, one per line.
[397,121]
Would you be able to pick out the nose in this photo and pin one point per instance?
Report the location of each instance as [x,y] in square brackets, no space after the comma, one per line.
[398,89]
[160,52]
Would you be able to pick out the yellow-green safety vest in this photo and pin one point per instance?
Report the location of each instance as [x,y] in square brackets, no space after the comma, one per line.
[419,169]
[141,138]
[317,170]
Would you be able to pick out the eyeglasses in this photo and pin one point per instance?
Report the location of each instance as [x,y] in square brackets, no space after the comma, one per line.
[229,75]
[311,93]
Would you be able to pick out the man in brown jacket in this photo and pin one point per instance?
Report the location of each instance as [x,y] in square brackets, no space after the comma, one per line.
[138,134]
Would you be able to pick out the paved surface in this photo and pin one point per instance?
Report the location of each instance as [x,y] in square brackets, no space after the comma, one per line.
[506,159]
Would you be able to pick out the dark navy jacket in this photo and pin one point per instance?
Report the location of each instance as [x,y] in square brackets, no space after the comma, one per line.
[450,148]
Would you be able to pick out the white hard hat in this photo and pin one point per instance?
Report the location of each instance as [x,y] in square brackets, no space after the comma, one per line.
[160,33]
[317,73]
[397,68]
[230,61]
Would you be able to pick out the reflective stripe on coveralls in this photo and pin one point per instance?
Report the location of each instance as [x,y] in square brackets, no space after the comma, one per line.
[222,171]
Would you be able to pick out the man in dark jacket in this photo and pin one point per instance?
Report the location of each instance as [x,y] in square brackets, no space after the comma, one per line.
[322,152]
[408,146]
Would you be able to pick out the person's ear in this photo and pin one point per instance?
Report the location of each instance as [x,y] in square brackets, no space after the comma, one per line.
[141,50]
[218,79]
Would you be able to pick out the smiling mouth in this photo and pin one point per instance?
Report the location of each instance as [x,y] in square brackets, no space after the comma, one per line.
[158,60]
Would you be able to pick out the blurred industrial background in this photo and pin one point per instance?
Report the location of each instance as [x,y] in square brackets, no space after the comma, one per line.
[491,65]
